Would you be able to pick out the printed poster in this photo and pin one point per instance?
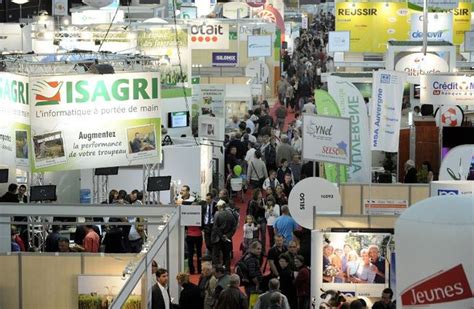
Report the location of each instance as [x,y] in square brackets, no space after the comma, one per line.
[88,121]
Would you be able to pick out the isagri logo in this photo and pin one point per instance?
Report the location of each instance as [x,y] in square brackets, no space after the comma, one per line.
[47,93]
[93,90]
[443,287]
[13,90]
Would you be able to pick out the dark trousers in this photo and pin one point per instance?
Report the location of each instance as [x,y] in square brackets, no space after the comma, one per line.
[262,235]
[136,245]
[271,234]
[207,237]
[194,244]
[303,302]
[224,248]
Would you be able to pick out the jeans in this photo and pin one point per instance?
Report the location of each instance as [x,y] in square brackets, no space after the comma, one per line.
[194,246]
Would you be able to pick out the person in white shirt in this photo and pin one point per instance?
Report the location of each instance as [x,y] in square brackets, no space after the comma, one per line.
[297,142]
[271,181]
[257,170]
[249,232]
[271,214]
[185,197]
[160,298]
[250,153]
[250,124]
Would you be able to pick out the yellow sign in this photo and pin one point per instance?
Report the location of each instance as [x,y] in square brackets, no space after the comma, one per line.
[461,22]
[373,24]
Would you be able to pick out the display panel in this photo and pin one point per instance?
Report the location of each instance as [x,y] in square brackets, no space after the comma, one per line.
[106,171]
[159,183]
[43,193]
[178,119]
[4,175]
[259,46]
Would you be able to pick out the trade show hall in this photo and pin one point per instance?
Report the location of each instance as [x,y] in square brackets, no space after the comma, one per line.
[254,154]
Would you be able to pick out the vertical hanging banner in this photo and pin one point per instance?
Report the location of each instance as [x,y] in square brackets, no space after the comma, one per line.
[15,120]
[88,121]
[352,105]
[387,97]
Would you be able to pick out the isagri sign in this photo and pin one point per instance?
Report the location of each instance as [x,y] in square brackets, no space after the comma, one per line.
[13,90]
[92,89]
[443,287]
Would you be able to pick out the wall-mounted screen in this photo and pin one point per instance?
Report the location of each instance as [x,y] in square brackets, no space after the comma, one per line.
[178,119]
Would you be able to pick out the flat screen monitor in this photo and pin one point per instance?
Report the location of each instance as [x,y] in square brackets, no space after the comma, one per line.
[178,119]
[105,171]
[416,92]
[4,175]
[43,193]
[158,183]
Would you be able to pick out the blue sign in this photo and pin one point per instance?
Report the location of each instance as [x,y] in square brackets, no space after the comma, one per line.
[448,192]
[224,59]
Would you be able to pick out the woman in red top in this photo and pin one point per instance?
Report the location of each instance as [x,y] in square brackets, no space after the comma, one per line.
[301,283]
[194,245]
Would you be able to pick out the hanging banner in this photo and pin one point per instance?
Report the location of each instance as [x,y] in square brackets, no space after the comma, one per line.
[440,27]
[325,105]
[352,105]
[373,24]
[461,21]
[15,120]
[88,121]
[208,36]
[418,64]
[437,4]
[387,97]
[447,90]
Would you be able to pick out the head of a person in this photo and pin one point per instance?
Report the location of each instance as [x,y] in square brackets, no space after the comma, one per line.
[284,261]
[285,139]
[242,126]
[373,252]
[208,198]
[279,240]
[223,194]
[347,248]
[233,150]
[113,195]
[328,250]
[185,191]
[279,190]
[220,205]
[255,248]
[275,298]
[122,195]
[12,188]
[88,228]
[272,174]
[284,163]
[409,164]
[154,267]
[257,194]
[249,219]
[293,247]
[273,284]
[235,119]
[162,276]
[287,178]
[206,269]
[63,244]
[234,281]
[182,278]
[364,254]
[299,261]
[21,190]
[296,159]
[270,202]
[355,304]
[387,295]
[416,109]
[134,195]
[285,210]
[258,154]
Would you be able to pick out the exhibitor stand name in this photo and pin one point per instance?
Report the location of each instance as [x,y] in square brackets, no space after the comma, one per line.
[120,90]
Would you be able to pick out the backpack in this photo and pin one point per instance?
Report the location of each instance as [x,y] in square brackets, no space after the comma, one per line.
[270,154]
[242,270]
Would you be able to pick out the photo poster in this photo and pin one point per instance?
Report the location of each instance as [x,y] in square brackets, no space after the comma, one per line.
[356,263]
[15,121]
[88,121]
[212,128]
[212,100]
[163,43]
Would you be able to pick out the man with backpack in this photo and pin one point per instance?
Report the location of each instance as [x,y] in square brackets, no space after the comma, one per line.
[223,229]
[248,268]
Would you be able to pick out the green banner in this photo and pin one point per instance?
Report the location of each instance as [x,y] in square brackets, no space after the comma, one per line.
[325,105]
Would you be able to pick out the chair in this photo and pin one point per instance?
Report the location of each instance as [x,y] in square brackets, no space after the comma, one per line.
[236,185]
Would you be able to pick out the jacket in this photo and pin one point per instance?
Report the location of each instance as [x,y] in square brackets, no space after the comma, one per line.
[190,297]
[256,169]
[157,300]
[263,301]
[253,266]
[224,225]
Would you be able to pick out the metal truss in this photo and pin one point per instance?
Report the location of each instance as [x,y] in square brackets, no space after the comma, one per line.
[100,184]
[150,170]
[74,63]
[37,233]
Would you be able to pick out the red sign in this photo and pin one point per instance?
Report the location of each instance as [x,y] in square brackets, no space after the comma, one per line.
[442,287]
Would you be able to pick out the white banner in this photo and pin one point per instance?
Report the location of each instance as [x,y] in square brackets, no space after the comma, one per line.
[447,90]
[327,139]
[208,36]
[438,4]
[418,64]
[352,104]
[387,97]
[15,120]
[259,46]
[88,121]
[440,27]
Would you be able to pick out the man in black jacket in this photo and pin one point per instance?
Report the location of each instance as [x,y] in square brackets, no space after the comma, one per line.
[11,196]
[221,236]
[209,209]
[232,297]
[252,261]
[160,298]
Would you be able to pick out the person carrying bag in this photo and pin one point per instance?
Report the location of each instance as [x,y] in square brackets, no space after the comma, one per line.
[257,171]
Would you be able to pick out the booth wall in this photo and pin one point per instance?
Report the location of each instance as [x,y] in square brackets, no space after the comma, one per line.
[9,285]
[67,184]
